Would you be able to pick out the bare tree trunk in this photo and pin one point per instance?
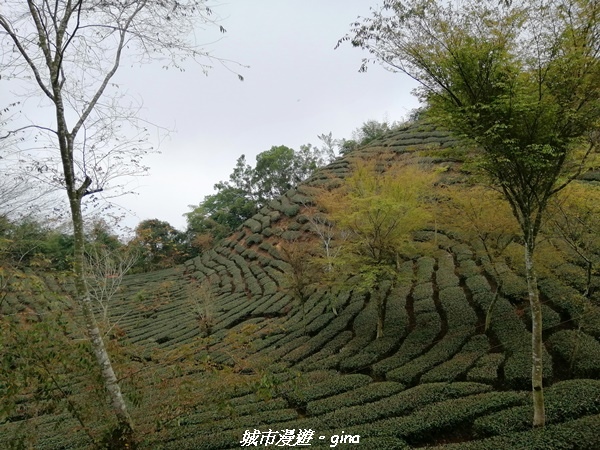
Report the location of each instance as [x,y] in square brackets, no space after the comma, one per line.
[379,327]
[380,313]
[111,383]
[588,284]
[539,414]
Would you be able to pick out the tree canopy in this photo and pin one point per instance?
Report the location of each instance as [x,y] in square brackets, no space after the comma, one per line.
[376,210]
[520,79]
[158,245]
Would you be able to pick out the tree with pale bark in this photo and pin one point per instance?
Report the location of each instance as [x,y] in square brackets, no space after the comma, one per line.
[67,52]
[521,79]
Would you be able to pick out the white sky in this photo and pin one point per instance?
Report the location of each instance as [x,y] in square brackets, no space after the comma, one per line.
[297,86]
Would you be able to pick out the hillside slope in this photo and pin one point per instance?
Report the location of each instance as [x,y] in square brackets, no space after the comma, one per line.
[435,378]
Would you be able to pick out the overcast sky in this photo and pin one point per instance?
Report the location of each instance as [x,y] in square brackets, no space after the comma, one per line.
[296,87]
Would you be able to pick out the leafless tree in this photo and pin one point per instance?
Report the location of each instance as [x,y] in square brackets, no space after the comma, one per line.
[104,273]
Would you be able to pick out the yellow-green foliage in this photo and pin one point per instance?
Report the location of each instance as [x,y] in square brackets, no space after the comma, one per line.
[574,223]
[377,209]
[479,214]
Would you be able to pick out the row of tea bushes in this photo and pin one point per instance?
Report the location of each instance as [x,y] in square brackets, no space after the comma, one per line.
[580,434]
[580,351]
[566,400]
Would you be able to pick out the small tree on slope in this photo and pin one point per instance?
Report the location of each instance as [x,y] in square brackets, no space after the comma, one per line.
[377,211]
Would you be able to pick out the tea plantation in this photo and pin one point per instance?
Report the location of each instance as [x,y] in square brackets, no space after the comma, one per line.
[436,378]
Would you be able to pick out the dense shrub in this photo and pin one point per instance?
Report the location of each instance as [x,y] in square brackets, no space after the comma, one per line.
[365,394]
[291,235]
[463,253]
[240,409]
[513,286]
[468,268]
[254,225]
[447,415]
[440,352]
[266,303]
[287,344]
[458,311]
[427,328]
[329,349]
[566,400]
[365,327]
[422,291]
[457,366]
[254,239]
[445,277]
[477,284]
[550,317]
[395,328]
[486,368]
[579,350]
[278,306]
[337,324]
[517,368]
[336,385]
[425,267]
[580,434]
[424,306]
[255,420]
[579,309]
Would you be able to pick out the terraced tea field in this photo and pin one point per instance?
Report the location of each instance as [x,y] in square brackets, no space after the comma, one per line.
[435,379]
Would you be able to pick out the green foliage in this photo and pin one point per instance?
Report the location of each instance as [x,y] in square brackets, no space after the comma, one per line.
[159,245]
[580,352]
[249,189]
[359,396]
[400,404]
[580,310]
[575,220]
[205,392]
[479,65]
[43,370]
[369,131]
[486,368]
[458,365]
[440,352]
[28,242]
[376,210]
[448,415]
[336,385]
[566,400]
[427,328]
[577,434]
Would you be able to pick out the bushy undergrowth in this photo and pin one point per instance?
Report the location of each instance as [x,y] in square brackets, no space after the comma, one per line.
[580,351]
[564,401]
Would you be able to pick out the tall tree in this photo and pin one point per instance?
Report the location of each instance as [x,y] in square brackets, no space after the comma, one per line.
[68,52]
[521,79]
[158,245]
[249,188]
[575,220]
